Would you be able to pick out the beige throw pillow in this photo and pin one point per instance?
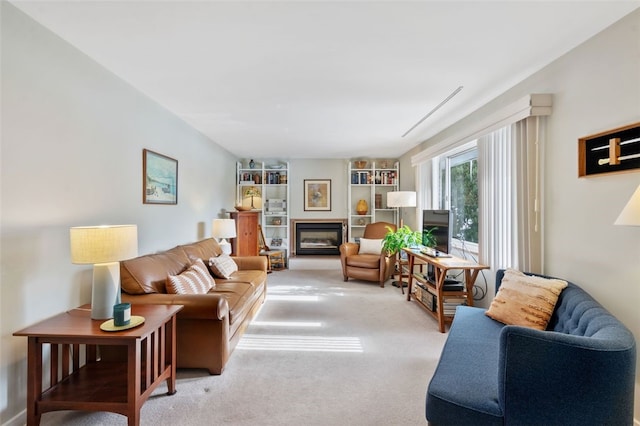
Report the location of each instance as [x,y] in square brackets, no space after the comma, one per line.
[195,280]
[370,246]
[223,266]
[525,300]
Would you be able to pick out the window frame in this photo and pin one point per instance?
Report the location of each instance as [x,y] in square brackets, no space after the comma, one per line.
[443,201]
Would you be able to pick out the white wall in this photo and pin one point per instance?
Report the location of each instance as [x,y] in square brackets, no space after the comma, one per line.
[71,154]
[333,169]
[595,87]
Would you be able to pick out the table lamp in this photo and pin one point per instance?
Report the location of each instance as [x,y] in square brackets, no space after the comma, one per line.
[221,229]
[252,191]
[401,199]
[630,215]
[104,247]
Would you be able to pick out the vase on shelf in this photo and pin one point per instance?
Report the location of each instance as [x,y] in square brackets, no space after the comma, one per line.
[362,207]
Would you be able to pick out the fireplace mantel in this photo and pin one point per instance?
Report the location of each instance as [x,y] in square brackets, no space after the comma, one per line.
[294,233]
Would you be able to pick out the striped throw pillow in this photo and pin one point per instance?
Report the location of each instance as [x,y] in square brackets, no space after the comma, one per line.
[195,280]
[223,266]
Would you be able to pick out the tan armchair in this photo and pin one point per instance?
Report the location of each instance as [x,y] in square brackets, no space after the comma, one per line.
[368,267]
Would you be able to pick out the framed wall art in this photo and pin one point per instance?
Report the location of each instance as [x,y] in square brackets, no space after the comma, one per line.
[613,151]
[159,178]
[317,195]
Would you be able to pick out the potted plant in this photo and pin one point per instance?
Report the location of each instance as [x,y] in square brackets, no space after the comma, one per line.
[394,241]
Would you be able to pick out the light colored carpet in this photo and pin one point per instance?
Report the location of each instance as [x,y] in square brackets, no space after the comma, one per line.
[320,352]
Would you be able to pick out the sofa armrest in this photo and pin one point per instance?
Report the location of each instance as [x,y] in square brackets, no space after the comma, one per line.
[196,306]
[590,380]
[251,263]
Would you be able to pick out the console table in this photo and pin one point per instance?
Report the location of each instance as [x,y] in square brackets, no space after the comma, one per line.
[82,379]
[441,266]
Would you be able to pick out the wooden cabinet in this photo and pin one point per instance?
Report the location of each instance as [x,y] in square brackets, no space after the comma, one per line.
[246,241]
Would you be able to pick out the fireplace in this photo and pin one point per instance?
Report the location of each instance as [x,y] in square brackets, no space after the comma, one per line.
[318,237]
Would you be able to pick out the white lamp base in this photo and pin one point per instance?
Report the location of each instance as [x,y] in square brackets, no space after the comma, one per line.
[225,246]
[106,289]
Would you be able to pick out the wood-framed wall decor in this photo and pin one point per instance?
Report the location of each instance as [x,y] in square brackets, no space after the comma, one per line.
[159,178]
[613,151]
[317,194]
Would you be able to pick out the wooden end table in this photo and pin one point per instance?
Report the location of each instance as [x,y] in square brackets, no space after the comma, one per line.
[82,379]
[441,266]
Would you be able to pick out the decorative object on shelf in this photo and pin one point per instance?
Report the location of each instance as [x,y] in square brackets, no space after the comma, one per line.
[159,178]
[401,199]
[242,208]
[361,222]
[630,215]
[384,164]
[252,164]
[362,207]
[104,247]
[221,229]
[317,195]
[613,151]
[251,191]
[257,179]
[360,164]
[276,221]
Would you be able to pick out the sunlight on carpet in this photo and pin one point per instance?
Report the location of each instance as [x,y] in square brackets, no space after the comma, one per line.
[299,343]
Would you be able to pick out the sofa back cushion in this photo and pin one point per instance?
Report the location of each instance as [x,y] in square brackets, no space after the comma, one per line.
[148,274]
[579,314]
[203,249]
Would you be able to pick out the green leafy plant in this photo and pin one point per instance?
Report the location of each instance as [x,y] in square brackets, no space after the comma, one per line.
[403,237]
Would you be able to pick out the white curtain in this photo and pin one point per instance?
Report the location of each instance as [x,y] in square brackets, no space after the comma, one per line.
[509,185]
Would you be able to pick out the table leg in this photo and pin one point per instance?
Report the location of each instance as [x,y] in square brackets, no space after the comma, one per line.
[440,277]
[410,277]
[171,353]
[34,379]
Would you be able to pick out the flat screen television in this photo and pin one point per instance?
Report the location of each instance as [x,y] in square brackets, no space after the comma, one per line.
[440,222]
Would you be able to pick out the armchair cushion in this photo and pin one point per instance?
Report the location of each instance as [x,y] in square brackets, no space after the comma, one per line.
[370,246]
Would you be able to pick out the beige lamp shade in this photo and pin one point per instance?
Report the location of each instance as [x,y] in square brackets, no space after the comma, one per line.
[223,228]
[104,247]
[103,244]
[630,215]
[401,199]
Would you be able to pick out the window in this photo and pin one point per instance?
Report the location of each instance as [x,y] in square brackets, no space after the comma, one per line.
[456,186]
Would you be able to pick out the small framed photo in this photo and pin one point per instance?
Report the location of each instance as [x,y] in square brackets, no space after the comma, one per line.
[317,195]
[159,178]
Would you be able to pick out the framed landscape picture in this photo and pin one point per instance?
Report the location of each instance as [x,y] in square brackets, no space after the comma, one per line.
[159,178]
[317,195]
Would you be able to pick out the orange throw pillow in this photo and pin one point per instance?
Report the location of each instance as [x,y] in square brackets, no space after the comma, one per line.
[525,300]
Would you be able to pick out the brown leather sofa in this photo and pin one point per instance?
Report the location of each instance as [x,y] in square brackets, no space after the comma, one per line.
[210,325]
[368,267]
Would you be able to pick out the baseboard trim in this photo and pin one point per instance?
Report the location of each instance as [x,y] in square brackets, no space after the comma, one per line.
[19,419]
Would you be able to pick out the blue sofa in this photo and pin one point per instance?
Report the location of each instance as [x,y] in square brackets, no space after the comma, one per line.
[580,371]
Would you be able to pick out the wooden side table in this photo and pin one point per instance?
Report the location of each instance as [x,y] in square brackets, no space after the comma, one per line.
[441,266]
[81,380]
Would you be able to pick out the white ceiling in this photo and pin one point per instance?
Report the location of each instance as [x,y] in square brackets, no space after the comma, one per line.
[324,79]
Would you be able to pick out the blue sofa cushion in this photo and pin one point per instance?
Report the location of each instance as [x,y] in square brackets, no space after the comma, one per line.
[464,388]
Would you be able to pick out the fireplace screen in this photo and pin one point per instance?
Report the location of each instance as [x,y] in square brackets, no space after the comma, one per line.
[318,238]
